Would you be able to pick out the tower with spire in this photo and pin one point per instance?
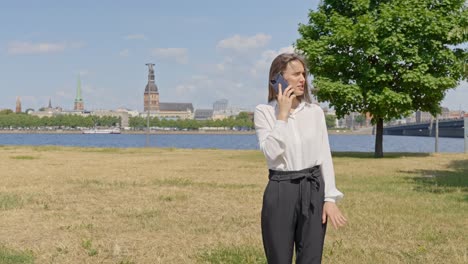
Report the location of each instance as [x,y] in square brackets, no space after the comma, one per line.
[18,104]
[151,95]
[79,105]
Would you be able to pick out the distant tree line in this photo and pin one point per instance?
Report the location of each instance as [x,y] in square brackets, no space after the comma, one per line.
[240,121]
[21,120]
[9,119]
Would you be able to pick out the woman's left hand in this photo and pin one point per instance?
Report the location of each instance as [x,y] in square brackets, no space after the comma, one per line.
[331,211]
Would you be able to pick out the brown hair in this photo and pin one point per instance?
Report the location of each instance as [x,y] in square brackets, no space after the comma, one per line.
[278,65]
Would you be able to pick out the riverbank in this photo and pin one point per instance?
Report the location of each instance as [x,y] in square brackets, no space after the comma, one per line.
[363,131]
[112,205]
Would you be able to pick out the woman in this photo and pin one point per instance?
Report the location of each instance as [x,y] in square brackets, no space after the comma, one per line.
[301,192]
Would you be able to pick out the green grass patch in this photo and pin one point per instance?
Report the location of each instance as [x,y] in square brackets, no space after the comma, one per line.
[10,256]
[24,157]
[232,254]
[103,150]
[10,201]
[444,181]
[87,244]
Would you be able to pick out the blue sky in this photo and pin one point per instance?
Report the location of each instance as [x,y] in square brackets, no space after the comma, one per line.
[203,50]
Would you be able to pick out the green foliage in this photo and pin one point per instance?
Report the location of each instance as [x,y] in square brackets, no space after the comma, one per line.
[360,119]
[9,256]
[330,120]
[242,120]
[10,201]
[6,112]
[243,116]
[87,244]
[385,57]
[388,58]
[59,121]
[8,120]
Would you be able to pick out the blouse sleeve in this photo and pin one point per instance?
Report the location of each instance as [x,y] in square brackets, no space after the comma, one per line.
[331,192]
[270,137]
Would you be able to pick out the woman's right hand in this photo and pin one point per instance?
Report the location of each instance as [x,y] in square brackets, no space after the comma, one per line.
[285,102]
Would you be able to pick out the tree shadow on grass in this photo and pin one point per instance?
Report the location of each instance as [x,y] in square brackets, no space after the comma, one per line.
[370,155]
[443,181]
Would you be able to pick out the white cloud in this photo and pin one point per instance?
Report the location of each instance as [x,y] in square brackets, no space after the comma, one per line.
[241,44]
[262,65]
[185,89]
[24,48]
[84,72]
[124,53]
[16,48]
[241,79]
[135,36]
[180,55]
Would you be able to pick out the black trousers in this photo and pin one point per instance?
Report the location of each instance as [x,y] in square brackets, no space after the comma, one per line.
[292,215]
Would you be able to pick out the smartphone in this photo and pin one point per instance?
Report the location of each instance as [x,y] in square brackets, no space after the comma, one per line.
[277,80]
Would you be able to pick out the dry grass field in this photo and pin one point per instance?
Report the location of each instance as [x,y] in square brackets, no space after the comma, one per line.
[92,205]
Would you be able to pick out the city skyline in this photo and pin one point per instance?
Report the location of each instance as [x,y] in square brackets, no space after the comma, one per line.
[202,53]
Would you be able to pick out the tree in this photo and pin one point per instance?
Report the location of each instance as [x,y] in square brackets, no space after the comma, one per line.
[330,120]
[243,116]
[384,57]
[360,119]
[6,112]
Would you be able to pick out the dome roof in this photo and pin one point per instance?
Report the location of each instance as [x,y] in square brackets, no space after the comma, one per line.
[152,87]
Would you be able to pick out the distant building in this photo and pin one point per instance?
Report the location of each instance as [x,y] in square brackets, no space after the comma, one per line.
[162,110]
[445,113]
[79,104]
[132,113]
[220,105]
[151,94]
[124,117]
[18,105]
[422,117]
[175,111]
[203,114]
[48,111]
[456,114]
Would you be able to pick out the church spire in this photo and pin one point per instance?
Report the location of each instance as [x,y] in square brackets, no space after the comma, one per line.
[18,104]
[151,86]
[151,94]
[79,105]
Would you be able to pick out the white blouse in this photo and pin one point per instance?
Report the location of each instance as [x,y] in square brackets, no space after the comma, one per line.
[299,143]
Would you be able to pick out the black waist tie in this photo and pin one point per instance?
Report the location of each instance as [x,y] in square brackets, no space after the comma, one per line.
[309,185]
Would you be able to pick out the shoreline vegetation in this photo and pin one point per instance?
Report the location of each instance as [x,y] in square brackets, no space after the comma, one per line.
[142,205]
[363,131]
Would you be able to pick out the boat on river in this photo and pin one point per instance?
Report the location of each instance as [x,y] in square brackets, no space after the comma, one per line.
[101,131]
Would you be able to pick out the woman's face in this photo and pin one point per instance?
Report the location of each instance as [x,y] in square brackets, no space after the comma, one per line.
[294,74]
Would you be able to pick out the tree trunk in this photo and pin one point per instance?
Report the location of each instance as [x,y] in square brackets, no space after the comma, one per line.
[379,139]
